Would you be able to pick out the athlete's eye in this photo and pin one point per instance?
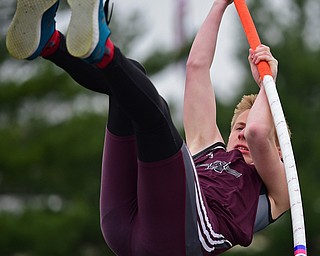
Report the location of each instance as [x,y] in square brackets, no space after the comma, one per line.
[239,128]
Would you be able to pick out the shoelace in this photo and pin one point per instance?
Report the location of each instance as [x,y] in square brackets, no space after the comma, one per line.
[106,11]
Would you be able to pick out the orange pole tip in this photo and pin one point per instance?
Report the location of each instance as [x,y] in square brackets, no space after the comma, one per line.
[251,33]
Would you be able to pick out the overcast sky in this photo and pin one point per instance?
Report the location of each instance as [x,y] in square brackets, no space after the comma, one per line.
[161,19]
[161,30]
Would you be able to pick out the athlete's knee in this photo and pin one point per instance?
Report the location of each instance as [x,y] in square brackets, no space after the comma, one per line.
[116,234]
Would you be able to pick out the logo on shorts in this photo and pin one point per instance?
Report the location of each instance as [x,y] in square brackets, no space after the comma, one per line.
[222,166]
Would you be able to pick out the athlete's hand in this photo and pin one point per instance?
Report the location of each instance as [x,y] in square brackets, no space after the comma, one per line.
[262,53]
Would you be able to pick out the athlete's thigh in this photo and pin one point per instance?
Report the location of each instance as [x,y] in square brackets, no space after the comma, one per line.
[166,223]
[118,198]
[119,170]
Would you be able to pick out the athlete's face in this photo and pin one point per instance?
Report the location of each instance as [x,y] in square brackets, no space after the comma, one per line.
[237,139]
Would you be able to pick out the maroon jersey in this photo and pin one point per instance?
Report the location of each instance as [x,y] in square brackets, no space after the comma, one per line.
[230,191]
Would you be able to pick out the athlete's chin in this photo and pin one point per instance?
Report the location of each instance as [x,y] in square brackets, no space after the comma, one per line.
[247,158]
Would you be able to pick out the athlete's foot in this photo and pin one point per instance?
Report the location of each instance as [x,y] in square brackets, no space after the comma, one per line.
[88,30]
[32,30]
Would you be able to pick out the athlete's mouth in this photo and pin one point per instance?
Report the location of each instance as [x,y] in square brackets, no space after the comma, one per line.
[242,149]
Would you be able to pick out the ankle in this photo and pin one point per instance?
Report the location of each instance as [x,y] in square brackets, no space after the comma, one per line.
[52,45]
[108,55]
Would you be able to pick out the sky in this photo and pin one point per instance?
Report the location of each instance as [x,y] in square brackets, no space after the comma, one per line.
[160,20]
[161,30]
[161,17]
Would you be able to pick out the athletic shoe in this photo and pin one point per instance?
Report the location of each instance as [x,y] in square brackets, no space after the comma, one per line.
[88,30]
[32,26]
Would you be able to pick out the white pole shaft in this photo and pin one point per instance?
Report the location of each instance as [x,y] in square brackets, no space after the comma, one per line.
[290,166]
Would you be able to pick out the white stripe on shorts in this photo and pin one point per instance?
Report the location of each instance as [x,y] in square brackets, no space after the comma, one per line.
[210,240]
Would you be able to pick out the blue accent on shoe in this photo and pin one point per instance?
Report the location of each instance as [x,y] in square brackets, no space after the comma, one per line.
[104,33]
[48,26]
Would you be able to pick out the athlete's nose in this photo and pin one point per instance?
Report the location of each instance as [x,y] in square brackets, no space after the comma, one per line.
[241,135]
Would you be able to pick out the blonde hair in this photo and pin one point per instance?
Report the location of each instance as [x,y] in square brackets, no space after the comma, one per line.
[246,103]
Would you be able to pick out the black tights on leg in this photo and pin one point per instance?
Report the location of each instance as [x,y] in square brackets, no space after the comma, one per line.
[134,102]
[156,134]
[85,74]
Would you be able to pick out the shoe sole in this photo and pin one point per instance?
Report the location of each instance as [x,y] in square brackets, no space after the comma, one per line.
[83,32]
[24,33]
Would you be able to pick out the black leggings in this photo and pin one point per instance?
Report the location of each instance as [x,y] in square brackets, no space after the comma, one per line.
[135,106]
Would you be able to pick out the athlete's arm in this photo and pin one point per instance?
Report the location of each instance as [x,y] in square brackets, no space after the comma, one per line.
[199,100]
[260,135]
